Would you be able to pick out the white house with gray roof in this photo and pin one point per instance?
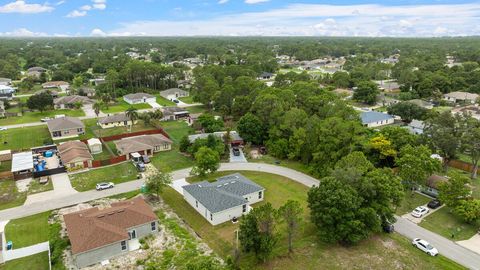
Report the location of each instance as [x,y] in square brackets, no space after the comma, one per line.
[139,98]
[376,119]
[228,197]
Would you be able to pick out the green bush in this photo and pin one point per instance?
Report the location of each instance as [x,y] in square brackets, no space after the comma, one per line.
[57,245]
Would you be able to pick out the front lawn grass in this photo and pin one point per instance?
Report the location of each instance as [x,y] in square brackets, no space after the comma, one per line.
[36,187]
[164,102]
[197,109]
[381,251]
[139,126]
[30,117]
[292,164]
[171,160]
[176,130]
[446,223]
[27,231]
[117,174]
[121,106]
[37,262]
[9,195]
[411,201]
[24,138]
[188,100]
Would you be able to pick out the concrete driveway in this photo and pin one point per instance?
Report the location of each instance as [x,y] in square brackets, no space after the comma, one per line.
[154,105]
[472,243]
[237,159]
[418,220]
[61,188]
[90,112]
[178,184]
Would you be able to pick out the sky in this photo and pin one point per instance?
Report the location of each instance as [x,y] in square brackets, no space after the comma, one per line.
[103,18]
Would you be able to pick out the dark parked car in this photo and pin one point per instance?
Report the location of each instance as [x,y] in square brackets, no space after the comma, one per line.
[434,204]
[236,151]
[388,228]
[176,101]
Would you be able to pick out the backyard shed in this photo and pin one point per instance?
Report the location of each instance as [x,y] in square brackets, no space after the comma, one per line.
[95,145]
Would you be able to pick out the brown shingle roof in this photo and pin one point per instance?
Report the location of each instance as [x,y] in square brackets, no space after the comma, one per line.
[72,100]
[140,143]
[94,228]
[74,150]
[64,123]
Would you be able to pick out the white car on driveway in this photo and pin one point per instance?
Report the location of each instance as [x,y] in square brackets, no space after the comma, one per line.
[420,211]
[102,186]
[425,246]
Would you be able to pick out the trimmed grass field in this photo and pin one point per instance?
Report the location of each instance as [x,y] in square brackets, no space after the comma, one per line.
[24,138]
[30,117]
[27,231]
[122,106]
[9,195]
[411,201]
[379,252]
[36,187]
[176,130]
[446,223]
[292,164]
[163,101]
[35,262]
[197,109]
[117,174]
[171,160]
[188,100]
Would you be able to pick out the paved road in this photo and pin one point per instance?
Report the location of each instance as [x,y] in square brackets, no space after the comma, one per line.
[446,247]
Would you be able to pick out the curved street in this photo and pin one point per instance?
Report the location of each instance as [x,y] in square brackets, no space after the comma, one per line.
[410,230]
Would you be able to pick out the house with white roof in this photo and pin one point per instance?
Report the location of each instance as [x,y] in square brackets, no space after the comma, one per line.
[227,198]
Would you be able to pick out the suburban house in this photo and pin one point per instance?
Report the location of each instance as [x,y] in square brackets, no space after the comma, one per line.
[386,101]
[388,85]
[75,154]
[227,198]
[235,138]
[115,120]
[472,110]
[416,127]
[6,92]
[174,113]
[53,93]
[143,144]
[139,98]
[422,103]
[22,165]
[431,186]
[184,84]
[461,97]
[35,72]
[99,234]
[98,81]
[174,93]
[71,101]
[376,119]
[65,127]
[265,76]
[63,86]
[86,91]
[5,81]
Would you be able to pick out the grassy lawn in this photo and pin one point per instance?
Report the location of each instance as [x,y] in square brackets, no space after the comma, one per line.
[171,160]
[103,155]
[105,132]
[9,195]
[5,166]
[27,231]
[441,109]
[188,99]
[379,252]
[29,117]
[447,223]
[117,174]
[38,262]
[176,130]
[411,201]
[292,164]
[24,138]
[163,101]
[122,106]
[197,109]
[36,187]
[112,146]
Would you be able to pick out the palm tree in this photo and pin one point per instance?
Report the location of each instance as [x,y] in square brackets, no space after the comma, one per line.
[96,107]
[132,114]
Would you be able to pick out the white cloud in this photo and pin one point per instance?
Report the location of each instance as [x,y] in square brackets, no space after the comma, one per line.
[222,1]
[97,33]
[60,3]
[324,20]
[76,14]
[23,7]
[251,2]
[86,7]
[23,32]
[99,4]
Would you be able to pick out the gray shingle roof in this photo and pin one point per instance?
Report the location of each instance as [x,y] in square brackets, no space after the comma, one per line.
[223,194]
[64,123]
[372,117]
[119,117]
[138,96]
[172,91]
